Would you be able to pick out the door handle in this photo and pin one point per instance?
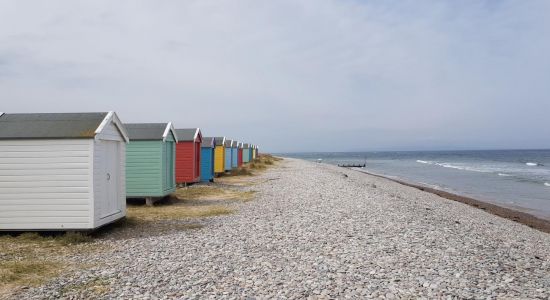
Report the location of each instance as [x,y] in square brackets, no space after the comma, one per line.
[108,176]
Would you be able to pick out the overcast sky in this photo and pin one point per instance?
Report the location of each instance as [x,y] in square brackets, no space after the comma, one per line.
[291,75]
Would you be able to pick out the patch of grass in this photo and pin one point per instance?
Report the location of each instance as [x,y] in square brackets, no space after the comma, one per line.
[263,162]
[242,171]
[198,192]
[30,272]
[175,212]
[30,236]
[32,258]
[256,165]
[74,238]
[196,201]
[212,193]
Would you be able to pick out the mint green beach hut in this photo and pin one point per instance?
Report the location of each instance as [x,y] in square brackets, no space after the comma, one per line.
[150,161]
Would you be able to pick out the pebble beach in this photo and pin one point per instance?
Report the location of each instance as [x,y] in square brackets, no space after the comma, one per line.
[316,231]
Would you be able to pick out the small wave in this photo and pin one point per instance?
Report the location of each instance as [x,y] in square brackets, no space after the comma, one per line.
[423,162]
[532,164]
[547,184]
[503,174]
[446,165]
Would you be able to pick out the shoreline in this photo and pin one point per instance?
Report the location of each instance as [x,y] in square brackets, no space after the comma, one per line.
[515,215]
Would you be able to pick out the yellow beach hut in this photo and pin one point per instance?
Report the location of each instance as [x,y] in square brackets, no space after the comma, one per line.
[219,155]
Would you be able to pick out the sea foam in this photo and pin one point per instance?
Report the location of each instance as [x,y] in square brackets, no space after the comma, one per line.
[503,174]
[532,164]
[547,184]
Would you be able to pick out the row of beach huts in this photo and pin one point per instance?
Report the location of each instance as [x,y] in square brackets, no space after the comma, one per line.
[74,171]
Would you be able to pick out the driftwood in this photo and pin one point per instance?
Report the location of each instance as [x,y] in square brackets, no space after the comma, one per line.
[352,165]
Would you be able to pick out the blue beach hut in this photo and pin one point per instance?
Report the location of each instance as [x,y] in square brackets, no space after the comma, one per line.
[207,159]
[246,153]
[228,154]
[235,155]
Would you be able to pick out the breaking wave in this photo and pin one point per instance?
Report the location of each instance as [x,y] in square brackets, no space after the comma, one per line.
[503,174]
[547,184]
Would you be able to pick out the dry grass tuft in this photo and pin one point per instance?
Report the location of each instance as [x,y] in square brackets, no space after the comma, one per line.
[32,258]
[189,202]
[212,193]
[30,271]
[264,161]
[241,171]
[74,238]
[175,212]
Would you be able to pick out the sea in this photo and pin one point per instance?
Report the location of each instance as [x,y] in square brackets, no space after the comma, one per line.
[518,179]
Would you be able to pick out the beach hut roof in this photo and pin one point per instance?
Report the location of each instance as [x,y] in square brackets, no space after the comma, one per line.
[234,144]
[188,134]
[240,145]
[246,146]
[57,125]
[228,143]
[208,142]
[150,131]
[219,140]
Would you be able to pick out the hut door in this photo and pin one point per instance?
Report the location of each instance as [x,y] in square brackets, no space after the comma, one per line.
[110,203]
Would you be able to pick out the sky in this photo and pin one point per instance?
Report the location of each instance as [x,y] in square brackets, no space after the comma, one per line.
[291,75]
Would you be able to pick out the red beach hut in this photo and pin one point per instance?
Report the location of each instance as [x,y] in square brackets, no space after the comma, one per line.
[188,155]
[240,155]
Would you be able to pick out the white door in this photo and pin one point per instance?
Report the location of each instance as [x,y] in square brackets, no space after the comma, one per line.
[110,204]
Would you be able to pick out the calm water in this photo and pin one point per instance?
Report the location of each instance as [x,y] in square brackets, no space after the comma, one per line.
[512,178]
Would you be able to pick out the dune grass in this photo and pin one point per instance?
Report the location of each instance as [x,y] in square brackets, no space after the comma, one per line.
[262,162]
[174,212]
[244,175]
[30,259]
[189,202]
[212,193]
[28,271]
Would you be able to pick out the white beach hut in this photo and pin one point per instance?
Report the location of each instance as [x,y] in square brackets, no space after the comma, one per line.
[61,171]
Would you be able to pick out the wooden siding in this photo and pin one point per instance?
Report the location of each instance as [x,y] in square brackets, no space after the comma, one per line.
[234,157]
[144,168]
[168,167]
[246,155]
[197,161]
[240,158]
[207,167]
[228,159]
[104,161]
[46,184]
[187,162]
[110,133]
[219,159]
